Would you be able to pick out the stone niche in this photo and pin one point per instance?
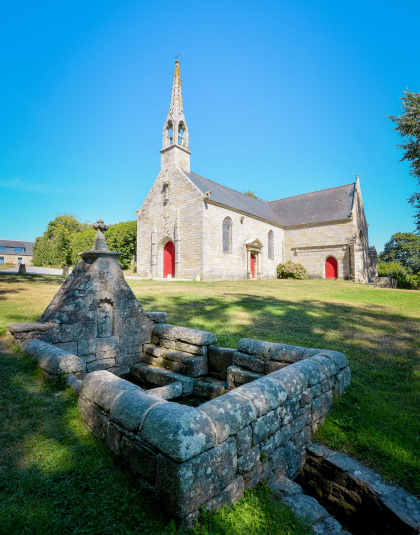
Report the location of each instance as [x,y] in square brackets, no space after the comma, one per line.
[94,315]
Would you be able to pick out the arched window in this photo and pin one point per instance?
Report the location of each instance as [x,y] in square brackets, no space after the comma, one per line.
[271,245]
[181,130]
[227,235]
[169,134]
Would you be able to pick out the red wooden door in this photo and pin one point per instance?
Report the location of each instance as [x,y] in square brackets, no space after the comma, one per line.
[331,271]
[169,260]
[253,266]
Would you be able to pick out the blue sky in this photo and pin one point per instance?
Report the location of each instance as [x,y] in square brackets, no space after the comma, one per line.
[280,97]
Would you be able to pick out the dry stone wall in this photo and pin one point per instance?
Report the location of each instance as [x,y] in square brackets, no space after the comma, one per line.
[206,456]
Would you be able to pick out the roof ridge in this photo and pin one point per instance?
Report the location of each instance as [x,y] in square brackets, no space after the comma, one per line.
[231,189]
[309,192]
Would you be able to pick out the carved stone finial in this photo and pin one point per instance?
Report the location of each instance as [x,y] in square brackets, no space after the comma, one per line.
[100,242]
[100,225]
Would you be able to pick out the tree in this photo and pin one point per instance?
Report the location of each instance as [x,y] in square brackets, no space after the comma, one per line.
[54,247]
[252,194]
[408,127]
[121,237]
[403,247]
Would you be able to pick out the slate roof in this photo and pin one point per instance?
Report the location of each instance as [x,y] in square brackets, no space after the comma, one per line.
[316,207]
[11,244]
[234,199]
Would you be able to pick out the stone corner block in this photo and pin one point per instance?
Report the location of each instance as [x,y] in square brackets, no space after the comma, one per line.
[293,380]
[178,431]
[339,358]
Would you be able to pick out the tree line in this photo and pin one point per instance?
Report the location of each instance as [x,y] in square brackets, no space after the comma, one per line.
[65,237]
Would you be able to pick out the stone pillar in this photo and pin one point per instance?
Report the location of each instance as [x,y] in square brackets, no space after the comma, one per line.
[154,252]
[177,236]
[259,265]
[248,264]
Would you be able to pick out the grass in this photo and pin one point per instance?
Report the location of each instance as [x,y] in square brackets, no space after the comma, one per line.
[73,484]
[56,478]
[6,266]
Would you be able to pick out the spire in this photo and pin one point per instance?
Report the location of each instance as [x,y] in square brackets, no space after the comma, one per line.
[176,109]
[175,146]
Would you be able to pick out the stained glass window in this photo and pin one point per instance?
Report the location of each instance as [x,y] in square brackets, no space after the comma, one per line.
[271,245]
[227,235]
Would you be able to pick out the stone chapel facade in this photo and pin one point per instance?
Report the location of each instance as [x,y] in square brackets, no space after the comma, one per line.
[190,227]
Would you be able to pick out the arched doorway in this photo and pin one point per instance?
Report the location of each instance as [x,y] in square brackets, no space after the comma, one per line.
[253,265]
[169,260]
[331,270]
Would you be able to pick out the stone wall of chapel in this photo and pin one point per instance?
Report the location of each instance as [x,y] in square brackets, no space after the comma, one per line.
[361,241]
[220,265]
[317,242]
[184,199]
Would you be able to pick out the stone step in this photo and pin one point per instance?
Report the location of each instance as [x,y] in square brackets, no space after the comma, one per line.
[209,388]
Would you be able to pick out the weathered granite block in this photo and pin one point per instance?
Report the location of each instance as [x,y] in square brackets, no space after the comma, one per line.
[97,422]
[254,347]
[162,377]
[286,353]
[185,487]
[139,458]
[314,371]
[247,461]
[219,360]
[276,440]
[272,366]
[171,391]
[339,359]
[186,363]
[209,388]
[266,425]
[109,390]
[265,394]
[53,361]
[154,350]
[236,376]
[178,431]
[290,410]
[250,362]
[157,317]
[229,414]
[69,347]
[102,364]
[244,439]
[168,344]
[191,348]
[228,496]
[130,408]
[292,380]
[183,334]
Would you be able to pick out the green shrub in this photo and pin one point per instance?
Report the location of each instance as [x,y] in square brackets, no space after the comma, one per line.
[290,270]
[121,237]
[399,272]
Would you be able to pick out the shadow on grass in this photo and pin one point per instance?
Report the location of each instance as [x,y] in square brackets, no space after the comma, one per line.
[55,477]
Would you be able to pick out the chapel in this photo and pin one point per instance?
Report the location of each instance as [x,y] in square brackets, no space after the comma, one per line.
[190,227]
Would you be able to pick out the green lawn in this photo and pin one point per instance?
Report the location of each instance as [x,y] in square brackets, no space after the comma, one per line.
[72,483]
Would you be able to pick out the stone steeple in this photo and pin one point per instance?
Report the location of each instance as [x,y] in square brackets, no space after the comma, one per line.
[175,131]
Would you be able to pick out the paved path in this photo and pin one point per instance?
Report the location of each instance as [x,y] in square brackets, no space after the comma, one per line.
[34,270]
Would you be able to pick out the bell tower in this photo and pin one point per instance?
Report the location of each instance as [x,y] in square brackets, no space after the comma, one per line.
[175,146]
